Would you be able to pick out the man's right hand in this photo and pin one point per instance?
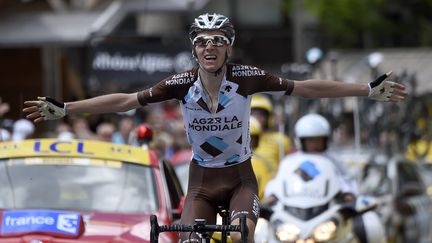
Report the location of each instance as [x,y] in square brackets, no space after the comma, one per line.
[45,108]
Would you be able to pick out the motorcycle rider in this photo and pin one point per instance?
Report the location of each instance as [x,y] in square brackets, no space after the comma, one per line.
[312,136]
[313,132]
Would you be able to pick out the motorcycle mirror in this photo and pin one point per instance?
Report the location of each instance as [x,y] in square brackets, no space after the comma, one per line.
[365,203]
[361,205]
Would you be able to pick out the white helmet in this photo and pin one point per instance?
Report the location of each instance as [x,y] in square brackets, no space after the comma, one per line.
[212,22]
[312,125]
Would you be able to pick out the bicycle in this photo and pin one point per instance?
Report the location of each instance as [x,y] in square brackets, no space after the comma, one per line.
[201,228]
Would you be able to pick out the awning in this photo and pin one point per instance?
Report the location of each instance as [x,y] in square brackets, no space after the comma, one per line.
[46,28]
[76,27]
[352,66]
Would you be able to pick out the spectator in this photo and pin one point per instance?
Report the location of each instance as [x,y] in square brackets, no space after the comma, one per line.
[125,127]
[4,134]
[105,131]
[80,128]
[4,108]
[274,145]
[64,132]
[22,129]
[263,168]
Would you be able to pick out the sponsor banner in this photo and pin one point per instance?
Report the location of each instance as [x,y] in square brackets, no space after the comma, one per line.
[215,124]
[134,63]
[56,223]
[74,148]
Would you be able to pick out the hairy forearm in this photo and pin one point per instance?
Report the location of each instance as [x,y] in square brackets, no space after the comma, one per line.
[314,88]
[118,102]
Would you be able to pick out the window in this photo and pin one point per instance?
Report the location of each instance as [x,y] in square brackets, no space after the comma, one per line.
[77,184]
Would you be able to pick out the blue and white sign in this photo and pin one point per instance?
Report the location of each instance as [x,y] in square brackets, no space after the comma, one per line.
[307,170]
[25,221]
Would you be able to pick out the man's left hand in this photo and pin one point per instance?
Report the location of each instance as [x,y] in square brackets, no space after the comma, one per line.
[382,89]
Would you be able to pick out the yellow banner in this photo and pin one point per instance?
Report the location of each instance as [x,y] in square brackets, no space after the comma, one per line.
[74,148]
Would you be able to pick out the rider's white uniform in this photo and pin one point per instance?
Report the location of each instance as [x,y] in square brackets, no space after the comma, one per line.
[274,186]
[220,138]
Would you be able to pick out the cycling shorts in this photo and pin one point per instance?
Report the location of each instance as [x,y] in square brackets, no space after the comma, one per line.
[234,187]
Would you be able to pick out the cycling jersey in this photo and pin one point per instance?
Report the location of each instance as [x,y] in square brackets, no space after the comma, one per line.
[220,138]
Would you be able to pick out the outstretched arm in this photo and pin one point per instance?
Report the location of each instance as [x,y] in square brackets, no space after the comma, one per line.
[314,88]
[380,89]
[48,109]
[118,102]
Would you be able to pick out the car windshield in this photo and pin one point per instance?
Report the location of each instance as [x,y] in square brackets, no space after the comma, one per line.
[77,184]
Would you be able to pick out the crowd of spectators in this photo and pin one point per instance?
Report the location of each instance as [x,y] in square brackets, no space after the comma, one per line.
[164,120]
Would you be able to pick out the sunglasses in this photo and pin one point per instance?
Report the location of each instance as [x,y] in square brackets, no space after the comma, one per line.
[215,40]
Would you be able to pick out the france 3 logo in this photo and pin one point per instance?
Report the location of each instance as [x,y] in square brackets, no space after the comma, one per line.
[45,221]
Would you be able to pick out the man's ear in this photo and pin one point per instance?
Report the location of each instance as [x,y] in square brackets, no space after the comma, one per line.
[194,55]
[229,51]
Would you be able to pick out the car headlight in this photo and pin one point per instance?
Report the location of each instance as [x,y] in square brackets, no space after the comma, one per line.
[287,232]
[325,231]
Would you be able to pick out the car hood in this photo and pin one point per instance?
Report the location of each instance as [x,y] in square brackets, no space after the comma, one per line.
[134,227]
[95,227]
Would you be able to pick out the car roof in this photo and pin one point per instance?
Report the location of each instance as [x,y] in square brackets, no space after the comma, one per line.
[75,148]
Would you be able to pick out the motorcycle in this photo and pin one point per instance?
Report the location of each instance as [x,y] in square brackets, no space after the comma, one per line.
[309,208]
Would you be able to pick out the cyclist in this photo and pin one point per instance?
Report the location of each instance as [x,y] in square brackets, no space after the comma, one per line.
[215,98]
[274,145]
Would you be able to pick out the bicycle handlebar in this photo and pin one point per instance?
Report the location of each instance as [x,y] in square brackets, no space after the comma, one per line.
[197,227]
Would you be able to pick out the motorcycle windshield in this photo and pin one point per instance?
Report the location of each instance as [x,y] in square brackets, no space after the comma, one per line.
[306,213]
[301,194]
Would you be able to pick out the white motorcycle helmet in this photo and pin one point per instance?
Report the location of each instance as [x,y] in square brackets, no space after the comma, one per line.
[311,125]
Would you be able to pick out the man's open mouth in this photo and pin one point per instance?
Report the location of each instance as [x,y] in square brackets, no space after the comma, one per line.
[210,57]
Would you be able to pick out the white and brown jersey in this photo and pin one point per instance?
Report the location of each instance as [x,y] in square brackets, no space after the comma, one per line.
[219,138]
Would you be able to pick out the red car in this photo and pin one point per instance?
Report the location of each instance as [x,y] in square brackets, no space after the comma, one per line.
[84,191]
